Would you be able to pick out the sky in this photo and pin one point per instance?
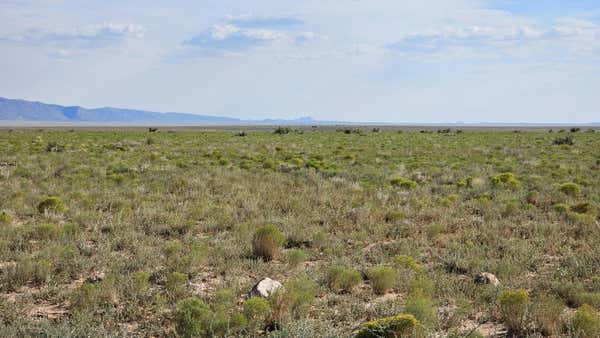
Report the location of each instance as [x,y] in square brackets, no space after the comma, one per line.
[347,60]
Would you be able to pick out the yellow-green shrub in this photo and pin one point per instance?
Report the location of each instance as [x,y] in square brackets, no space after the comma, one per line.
[391,327]
[570,189]
[513,306]
[586,322]
[505,180]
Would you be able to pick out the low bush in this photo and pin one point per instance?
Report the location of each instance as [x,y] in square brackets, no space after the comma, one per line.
[404,325]
[560,208]
[505,180]
[382,278]
[50,204]
[582,208]
[567,140]
[5,217]
[403,183]
[570,189]
[585,322]
[546,314]
[295,257]
[341,279]
[191,317]
[513,305]
[267,242]
[408,262]
[256,309]
[420,305]
[175,285]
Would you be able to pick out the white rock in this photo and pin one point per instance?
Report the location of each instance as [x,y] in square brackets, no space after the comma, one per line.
[487,278]
[265,288]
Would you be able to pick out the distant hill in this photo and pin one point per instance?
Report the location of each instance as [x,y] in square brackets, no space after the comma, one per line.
[28,111]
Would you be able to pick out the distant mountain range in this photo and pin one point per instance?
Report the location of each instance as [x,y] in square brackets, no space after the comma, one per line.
[22,111]
[28,112]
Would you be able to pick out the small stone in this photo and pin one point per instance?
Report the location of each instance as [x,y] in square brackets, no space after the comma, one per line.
[265,288]
[487,278]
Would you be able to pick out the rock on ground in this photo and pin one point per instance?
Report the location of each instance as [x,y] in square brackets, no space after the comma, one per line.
[487,278]
[265,288]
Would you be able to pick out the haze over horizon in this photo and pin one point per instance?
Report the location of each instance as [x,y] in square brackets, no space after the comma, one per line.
[358,61]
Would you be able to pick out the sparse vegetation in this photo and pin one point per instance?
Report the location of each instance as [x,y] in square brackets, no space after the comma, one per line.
[131,233]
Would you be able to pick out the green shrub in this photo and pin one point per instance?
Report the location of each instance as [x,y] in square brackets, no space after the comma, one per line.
[513,305]
[141,281]
[586,322]
[191,318]
[403,183]
[176,285]
[267,242]
[420,305]
[404,325]
[50,204]
[295,257]
[257,309]
[505,180]
[570,189]
[560,208]
[341,279]
[382,278]
[5,217]
[408,262]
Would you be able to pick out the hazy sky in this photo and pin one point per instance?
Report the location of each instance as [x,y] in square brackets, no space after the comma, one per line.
[354,60]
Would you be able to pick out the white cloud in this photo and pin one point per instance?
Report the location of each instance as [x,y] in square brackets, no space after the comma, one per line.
[89,36]
[568,34]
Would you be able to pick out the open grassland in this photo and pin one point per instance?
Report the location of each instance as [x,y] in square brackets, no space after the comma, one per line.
[131,233]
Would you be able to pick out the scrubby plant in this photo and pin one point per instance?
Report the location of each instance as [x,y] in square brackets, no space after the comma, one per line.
[403,183]
[256,309]
[5,217]
[420,305]
[54,147]
[45,232]
[382,278]
[567,140]
[50,204]
[295,257]
[560,208]
[546,313]
[505,180]
[585,322]
[191,318]
[404,325]
[267,242]
[175,285]
[582,208]
[570,189]
[408,262]
[513,306]
[341,279]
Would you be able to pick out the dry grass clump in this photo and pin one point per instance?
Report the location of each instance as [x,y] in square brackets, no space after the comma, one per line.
[267,242]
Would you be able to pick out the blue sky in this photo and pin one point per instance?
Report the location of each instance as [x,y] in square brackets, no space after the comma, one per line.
[353,60]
